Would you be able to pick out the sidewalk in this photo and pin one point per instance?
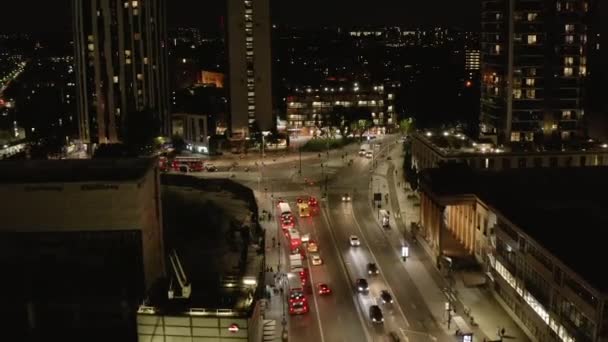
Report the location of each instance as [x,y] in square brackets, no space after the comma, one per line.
[275,316]
[488,315]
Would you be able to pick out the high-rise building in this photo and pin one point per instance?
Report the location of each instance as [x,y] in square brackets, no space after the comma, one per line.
[249,66]
[121,65]
[534,63]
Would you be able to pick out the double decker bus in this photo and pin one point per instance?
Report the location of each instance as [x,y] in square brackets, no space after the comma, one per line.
[187,164]
[293,236]
[298,304]
[304,209]
[286,217]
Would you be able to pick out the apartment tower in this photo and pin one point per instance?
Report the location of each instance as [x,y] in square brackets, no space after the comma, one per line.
[249,71]
[121,66]
[533,65]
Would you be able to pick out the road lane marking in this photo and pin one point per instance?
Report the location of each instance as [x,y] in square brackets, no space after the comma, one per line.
[314,298]
[380,268]
[327,219]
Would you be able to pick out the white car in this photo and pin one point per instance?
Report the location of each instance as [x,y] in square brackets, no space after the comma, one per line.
[316,260]
[345,198]
[369,154]
[354,241]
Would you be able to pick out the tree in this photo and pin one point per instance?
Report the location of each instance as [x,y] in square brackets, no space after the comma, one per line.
[406,126]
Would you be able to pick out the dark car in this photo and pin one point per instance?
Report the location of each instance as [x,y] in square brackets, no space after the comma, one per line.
[372,269]
[386,297]
[361,285]
[375,314]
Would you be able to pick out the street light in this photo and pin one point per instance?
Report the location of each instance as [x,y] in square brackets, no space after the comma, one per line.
[405,251]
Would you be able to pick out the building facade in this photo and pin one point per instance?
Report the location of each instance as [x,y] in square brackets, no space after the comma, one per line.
[541,273]
[311,107]
[533,65]
[249,62]
[82,242]
[121,65]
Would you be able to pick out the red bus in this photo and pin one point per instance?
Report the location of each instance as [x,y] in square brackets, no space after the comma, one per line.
[293,236]
[298,304]
[163,164]
[187,164]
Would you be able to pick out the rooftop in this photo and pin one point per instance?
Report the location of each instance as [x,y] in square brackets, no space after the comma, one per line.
[73,170]
[452,143]
[203,222]
[565,210]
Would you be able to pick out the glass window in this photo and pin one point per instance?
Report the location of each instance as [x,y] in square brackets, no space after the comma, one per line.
[531,39]
[532,16]
[569,39]
[530,82]
[568,71]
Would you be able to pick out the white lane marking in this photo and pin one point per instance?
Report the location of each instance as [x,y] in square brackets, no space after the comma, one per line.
[380,268]
[314,297]
[326,217]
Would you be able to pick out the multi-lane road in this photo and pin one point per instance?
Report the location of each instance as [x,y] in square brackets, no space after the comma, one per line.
[344,315]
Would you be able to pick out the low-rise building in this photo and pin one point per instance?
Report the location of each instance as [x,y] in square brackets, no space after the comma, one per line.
[537,233]
[80,243]
[431,148]
[312,107]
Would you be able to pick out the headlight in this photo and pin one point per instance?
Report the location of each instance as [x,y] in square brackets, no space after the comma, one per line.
[360,288]
[369,272]
[373,319]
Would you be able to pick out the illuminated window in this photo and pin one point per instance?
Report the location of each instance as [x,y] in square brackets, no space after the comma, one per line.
[531,71]
[569,28]
[530,82]
[134,3]
[583,70]
[140,77]
[532,16]
[517,93]
[497,49]
[569,39]
[115,79]
[568,61]
[531,93]
[531,39]
[568,71]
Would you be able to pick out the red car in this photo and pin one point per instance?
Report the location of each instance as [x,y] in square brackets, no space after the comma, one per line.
[323,289]
[312,202]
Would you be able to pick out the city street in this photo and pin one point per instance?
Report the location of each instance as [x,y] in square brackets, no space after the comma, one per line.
[417,313]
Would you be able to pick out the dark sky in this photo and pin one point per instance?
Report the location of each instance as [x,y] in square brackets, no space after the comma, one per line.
[54,15]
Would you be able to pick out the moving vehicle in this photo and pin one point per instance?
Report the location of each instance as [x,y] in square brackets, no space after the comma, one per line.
[375,314]
[361,285]
[286,217]
[210,168]
[372,269]
[284,208]
[312,202]
[323,289]
[312,246]
[304,209]
[345,198]
[384,218]
[293,236]
[187,164]
[354,241]
[386,297]
[369,154]
[363,150]
[316,260]
[298,304]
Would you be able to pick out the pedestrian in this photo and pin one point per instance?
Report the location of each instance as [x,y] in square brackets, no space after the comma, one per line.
[271,270]
[502,332]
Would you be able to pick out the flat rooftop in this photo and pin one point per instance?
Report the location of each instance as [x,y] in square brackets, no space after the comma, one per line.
[564,209]
[452,143]
[203,222]
[73,170]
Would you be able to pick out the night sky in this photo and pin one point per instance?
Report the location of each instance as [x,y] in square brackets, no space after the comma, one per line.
[54,15]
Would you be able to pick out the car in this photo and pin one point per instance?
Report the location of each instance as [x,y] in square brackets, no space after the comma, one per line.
[361,285]
[369,154]
[211,168]
[316,260]
[386,297]
[372,269]
[323,289]
[312,202]
[345,198]
[354,241]
[362,152]
[312,246]
[375,314]
[389,158]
